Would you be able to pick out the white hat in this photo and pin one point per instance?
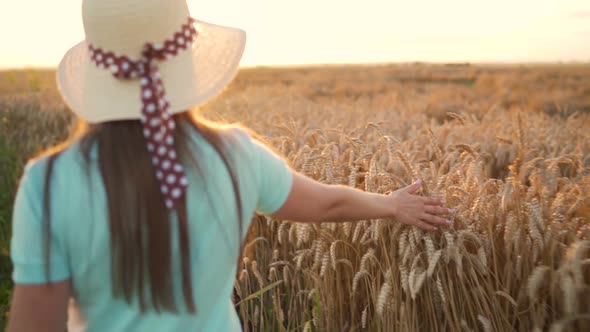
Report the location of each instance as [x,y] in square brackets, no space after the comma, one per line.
[123,27]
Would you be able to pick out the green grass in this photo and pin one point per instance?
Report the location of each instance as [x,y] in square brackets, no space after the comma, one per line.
[28,123]
[9,173]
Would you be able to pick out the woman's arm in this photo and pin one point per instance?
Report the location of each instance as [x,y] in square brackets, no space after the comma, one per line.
[311,201]
[38,308]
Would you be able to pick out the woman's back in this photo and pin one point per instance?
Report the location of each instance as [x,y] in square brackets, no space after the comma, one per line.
[139,227]
[81,244]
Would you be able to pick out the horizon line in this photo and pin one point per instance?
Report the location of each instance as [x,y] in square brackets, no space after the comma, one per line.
[370,64]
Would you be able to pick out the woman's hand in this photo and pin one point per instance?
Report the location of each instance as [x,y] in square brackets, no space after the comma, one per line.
[423,212]
[311,201]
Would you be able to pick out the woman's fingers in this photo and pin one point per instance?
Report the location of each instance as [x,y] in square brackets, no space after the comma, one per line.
[437,210]
[413,188]
[432,201]
[422,212]
[434,220]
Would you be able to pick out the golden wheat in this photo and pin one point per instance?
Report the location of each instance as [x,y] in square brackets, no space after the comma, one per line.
[513,160]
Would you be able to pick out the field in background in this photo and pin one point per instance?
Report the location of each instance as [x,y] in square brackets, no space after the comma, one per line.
[508,146]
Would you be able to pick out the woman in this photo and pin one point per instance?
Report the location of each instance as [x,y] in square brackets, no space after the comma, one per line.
[141,222]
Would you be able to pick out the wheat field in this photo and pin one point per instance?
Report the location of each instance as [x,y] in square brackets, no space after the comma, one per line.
[508,146]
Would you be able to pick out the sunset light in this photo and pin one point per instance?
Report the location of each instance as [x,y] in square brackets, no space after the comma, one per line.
[332,31]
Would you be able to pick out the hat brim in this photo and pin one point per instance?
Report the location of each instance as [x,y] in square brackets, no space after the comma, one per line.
[190,79]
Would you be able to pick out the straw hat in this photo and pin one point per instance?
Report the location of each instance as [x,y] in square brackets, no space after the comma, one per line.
[123,27]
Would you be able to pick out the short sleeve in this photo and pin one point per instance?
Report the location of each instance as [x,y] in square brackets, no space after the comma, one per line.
[27,247]
[275,177]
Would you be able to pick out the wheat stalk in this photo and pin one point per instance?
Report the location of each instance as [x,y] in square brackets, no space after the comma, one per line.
[384,294]
[535,281]
[485,323]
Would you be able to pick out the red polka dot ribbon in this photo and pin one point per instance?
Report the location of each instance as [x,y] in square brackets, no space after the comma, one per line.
[158,123]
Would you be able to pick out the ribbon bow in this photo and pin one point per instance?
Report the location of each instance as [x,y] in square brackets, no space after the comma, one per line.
[156,116]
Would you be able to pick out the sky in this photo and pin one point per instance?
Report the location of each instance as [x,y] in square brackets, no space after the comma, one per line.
[281,32]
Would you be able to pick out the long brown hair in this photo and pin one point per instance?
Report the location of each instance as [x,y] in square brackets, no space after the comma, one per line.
[139,231]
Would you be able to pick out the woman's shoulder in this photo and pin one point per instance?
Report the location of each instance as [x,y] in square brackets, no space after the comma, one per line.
[65,158]
[235,137]
[234,132]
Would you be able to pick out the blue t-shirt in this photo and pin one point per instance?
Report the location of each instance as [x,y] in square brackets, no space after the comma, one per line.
[80,249]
